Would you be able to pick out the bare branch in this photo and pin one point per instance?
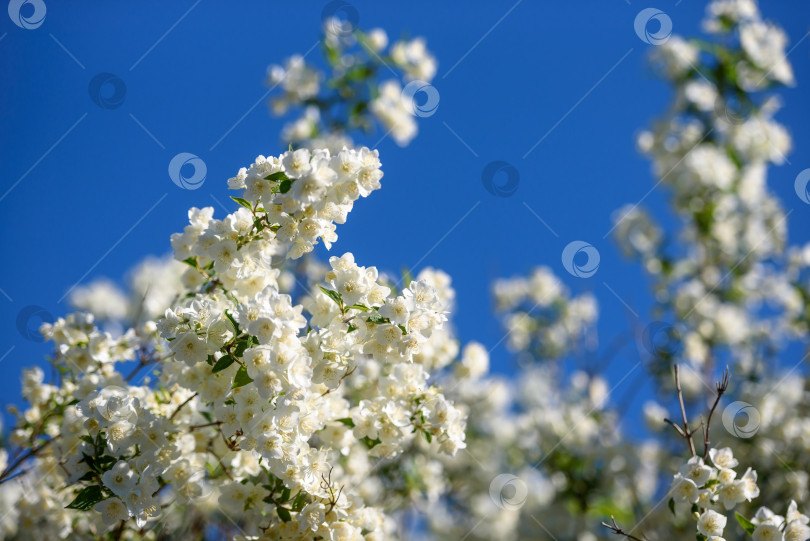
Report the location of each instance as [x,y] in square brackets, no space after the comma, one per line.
[616,529]
[196,427]
[676,427]
[722,387]
[189,399]
[686,432]
[5,476]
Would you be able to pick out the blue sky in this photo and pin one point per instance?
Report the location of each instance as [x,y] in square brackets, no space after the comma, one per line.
[91,194]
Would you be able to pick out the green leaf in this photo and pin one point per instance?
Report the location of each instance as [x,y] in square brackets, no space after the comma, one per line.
[277,176]
[352,328]
[283,514]
[361,307]
[428,436]
[243,344]
[370,443]
[87,498]
[285,186]
[747,525]
[192,262]
[89,476]
[334,295]
[244,202]
[359,107]
[346,421]
[299,502]
[224,362]
[407,277]
[233,322]
[672,506]
[374,317]
[241,379]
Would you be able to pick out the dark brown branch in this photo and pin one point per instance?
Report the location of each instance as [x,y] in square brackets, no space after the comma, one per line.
[722,387]
[326,484]
[221,464]
[32,453]
[189,399]
[676,427]
[686,432]
[618,531]
[348,373]
[196,427]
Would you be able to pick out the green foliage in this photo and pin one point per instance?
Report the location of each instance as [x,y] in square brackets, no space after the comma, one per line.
[87,498]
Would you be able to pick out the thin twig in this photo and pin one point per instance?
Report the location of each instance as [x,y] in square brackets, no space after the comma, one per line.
[195,427]
[618,531]
[687,433]
[189,399]
[219,459]
[676,427]
[348,373]
[722,387]
[33,452]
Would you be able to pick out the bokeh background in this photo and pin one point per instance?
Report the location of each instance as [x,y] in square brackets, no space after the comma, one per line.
[556,89]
